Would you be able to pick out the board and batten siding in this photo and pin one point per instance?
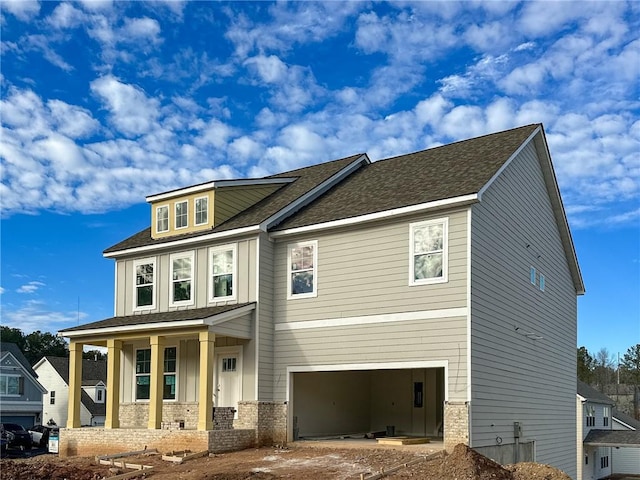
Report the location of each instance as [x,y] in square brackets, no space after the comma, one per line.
[264,314]
[363,273]
[245,281]
[523,340]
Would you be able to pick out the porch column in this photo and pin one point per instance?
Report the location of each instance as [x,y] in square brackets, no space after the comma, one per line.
[205,390]
[157,381]
[75,384]
[112,419]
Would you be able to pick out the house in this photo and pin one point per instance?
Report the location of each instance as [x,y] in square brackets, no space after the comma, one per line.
[53,373]
[608,440]
[433,292]
[20,391]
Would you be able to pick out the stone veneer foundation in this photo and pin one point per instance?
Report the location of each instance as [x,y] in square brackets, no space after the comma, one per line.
[456,424]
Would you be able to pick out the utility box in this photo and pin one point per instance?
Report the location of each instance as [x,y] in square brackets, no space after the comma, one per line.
[517,430]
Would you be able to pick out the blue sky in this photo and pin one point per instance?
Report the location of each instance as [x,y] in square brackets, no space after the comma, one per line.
[106,102]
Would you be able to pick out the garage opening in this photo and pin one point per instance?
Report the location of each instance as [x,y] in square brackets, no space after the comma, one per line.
[355,402]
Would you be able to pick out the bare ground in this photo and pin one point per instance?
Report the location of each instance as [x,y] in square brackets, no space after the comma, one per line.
[296,463]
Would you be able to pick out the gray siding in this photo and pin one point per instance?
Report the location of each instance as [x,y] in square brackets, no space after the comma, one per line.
[366,272]
[230,201]
[514,377]
[264,326]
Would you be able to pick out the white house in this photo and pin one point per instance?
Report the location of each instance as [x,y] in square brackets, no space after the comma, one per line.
[54,375]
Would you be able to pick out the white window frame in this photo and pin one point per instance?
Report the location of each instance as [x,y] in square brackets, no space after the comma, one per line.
[542,282]
[532,275]
[158,208]
[445,252]
[314,269]
[175,215]
[6,393]
[605,416]
[195,210]
[100,394]
[136,263]
[234,277]
[172,258]
[164,374]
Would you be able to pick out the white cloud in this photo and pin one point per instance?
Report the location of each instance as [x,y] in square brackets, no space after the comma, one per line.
[270,69]
[65,15]
[1,290]
[23,10]
[30,287]
[31,317]
[137,29]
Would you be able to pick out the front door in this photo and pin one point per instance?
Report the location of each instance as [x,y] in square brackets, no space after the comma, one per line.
[228,379]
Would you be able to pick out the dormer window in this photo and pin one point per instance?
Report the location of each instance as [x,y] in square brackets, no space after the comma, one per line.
[162,219]
[182,214]
[202,210]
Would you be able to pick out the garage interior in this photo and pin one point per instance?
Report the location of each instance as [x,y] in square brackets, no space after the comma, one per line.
[406,402]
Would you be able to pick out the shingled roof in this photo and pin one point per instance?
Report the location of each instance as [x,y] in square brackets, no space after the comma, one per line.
[13,349]
[591,394]
[307,179]
[444,172]
[161,317]
[613,438]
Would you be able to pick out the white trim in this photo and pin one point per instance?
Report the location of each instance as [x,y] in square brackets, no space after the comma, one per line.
[158,207]
[469,267]
[192,278]
[115,288]
[145,327]
[21,406]
[256,316]
[217,184]
[370,366]
[445,252]
[617,420]
[312,194]
[234,272]
[175,214]
[447,202]
[154,285]
[185,241]
[136,375]
[195,210]
[17,365]
[507,163]
[370,319]
[314,269]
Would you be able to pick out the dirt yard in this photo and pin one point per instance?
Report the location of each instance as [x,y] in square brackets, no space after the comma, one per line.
[296,463]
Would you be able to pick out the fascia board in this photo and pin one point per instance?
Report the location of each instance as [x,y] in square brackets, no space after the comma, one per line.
[217,184]
[447,202]
[184,241]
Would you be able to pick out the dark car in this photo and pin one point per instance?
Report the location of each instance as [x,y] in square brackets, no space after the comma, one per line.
[40,434]
[15,435]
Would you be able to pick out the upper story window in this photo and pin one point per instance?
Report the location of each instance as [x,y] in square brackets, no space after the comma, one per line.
[182,214]
[428,262]
[591,416]
[11,385]
[605,415]
[143,373]
[99,395]
[201,210]
[223,272]
[302,260]
[181,279]
[162,219]
[52,397]
[532,275]
[145,278]
[542,282]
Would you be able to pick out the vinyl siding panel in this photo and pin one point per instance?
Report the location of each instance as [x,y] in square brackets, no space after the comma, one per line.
[241,327]
[265,327]
[366,272]
[515,377]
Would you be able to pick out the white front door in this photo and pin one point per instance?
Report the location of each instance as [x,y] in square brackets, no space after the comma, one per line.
[228,377]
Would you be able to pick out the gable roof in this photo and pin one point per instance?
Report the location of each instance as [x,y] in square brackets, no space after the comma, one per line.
[592,395]
[308,184]
[13,349]
[613,438]
[93,371]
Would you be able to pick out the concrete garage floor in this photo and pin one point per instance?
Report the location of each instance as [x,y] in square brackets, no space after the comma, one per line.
[431,447]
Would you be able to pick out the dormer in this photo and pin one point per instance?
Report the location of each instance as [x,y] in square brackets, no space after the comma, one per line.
[207,205]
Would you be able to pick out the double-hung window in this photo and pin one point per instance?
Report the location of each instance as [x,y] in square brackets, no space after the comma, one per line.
[201,210]
[428,245]
[162,219]
[182,214]
[591,416]
[143,373]
[181,279]
[223,272]
[52,397]
[11,385]
[605,416]
[145,281]
[302,259]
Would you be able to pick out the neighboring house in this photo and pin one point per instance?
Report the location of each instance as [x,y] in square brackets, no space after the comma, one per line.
[20,391]
[53,372]
[606,443]
[434,292]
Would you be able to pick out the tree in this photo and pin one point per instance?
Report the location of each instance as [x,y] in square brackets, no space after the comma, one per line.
[603,371]
[35,345]
[94,355]
[12,335]
[585,365]
[630,365]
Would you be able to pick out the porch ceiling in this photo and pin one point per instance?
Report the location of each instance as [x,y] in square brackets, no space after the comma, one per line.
[160,321]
